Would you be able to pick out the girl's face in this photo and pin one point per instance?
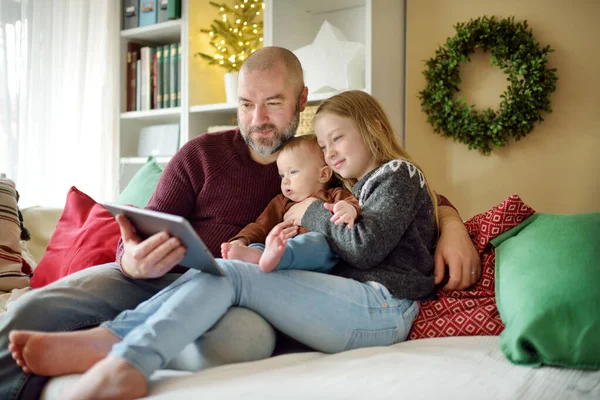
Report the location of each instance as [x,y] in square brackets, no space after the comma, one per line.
[343,147]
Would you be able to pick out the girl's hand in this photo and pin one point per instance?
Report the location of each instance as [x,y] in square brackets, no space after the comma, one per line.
[343,213]
[296,212]
[289,231]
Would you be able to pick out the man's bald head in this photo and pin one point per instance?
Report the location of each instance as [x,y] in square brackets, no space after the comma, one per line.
[267,57]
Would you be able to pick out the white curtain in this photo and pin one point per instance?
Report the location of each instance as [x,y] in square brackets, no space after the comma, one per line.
[58,97]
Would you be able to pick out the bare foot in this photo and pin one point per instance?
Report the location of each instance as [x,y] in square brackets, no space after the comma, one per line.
[225,250]
[274,249]
[111,378]
[53,354]
[243,253]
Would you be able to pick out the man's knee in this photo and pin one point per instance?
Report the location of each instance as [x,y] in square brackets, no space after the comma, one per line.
[241,335]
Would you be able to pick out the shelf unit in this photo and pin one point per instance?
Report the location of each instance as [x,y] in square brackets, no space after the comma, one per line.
[131,122]
[287,23]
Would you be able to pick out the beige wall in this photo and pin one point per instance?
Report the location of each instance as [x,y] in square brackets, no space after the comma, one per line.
[556,168]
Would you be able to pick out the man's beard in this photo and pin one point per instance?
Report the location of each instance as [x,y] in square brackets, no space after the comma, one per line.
[266,146]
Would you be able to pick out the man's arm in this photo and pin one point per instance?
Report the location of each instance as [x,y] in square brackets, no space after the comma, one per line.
[455,250]
[175,194]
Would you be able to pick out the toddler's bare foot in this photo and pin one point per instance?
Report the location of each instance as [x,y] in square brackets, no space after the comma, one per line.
[243,253]
[53,354]
[111,378]
[225,250]
[274,249]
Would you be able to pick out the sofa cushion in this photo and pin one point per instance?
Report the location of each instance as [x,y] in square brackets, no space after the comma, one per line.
[41,222]
[548,272]
[86,235]
[473,311]
[142,185]
[13,271]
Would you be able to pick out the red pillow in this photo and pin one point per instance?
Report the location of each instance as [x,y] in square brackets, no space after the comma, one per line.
[473,312]
[86,235]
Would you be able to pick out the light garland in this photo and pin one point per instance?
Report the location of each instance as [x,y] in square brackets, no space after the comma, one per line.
[237,34]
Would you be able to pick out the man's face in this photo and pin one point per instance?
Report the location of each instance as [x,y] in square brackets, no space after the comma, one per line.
[268,109]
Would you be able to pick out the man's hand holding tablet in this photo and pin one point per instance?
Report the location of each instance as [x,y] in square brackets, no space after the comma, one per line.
[155,242]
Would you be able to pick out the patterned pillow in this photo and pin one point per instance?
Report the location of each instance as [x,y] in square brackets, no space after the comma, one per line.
[473,312]
[13,270]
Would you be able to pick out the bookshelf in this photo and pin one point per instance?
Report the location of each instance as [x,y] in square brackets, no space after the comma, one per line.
[287,23]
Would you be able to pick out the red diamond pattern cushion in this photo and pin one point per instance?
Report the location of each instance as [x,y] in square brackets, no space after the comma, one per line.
[473,312]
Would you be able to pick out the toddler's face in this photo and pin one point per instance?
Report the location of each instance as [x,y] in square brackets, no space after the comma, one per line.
[300,171]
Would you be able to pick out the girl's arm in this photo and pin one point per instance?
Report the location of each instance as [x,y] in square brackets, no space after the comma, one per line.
[390,201]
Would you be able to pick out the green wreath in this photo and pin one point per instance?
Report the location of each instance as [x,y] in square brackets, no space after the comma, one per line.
[518,54]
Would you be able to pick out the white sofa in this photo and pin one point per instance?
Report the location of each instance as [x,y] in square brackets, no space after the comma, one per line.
[448,368]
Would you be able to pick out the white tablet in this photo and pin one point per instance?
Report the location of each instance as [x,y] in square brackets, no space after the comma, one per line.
[147,223]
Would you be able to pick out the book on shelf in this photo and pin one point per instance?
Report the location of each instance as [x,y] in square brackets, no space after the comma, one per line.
[166,76]
[154,80]
[153,77]
[178,86]
[145,79]
[133,51]
[138,89]
[173,75]
[159,84]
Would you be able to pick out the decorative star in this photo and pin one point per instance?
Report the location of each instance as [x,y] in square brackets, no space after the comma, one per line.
[331,63]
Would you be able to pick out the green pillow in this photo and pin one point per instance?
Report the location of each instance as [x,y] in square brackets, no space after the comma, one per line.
[142,185]
[548,290]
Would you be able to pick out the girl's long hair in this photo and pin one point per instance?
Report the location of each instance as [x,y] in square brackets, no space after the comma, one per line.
[375,129]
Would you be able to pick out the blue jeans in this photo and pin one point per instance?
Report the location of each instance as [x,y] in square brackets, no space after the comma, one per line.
[328,313]
[309,252]
[97,294]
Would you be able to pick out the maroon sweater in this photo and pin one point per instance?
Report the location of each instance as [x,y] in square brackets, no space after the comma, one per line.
[214,184]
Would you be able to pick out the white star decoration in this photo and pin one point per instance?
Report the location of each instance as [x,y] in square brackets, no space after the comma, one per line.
[331,63]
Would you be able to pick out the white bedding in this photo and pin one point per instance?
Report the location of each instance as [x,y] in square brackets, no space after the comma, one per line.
[447,368]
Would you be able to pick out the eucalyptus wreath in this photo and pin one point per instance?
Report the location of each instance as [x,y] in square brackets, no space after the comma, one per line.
[514,49]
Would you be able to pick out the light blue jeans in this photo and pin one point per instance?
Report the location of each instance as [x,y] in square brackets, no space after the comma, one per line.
[328,313]
[97,294]
[308,252]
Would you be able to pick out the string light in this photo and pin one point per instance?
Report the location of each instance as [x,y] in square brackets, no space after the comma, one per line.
[236,34]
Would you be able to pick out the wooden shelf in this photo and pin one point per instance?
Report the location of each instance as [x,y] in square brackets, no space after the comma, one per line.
[171,114]
[217,107]
[228,107]
[164,32]
[143,160]
[321,7]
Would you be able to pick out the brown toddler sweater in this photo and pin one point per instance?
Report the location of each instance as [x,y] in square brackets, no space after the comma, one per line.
[256,232]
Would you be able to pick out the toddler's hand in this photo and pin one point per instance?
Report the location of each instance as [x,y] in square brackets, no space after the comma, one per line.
[343,213]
